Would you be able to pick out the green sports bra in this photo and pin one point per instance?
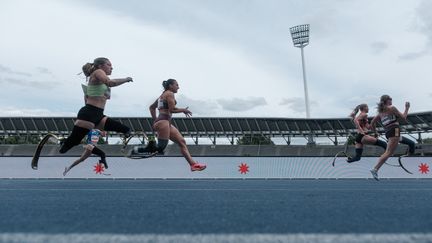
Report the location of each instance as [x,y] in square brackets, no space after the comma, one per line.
[97,90]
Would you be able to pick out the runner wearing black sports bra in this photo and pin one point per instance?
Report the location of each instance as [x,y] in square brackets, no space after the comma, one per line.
[166,105]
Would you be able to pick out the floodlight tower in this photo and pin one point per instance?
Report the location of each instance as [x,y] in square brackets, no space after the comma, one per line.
[300,37]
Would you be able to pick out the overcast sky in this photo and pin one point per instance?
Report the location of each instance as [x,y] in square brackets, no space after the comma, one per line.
[230,57]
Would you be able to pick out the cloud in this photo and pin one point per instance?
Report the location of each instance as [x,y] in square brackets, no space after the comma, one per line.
[296,104]
[7,70]
[360,99]
[215,49]
[43,70]
[44,85]
[425,20]
[378,47]
[238,104]
[10,111]
[198,107]
[355,100]
[19,78]
[258,29]
[412,56]
[13,81]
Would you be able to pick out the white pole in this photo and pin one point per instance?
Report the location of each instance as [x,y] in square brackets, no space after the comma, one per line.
[305,84]
[300,36]
[310,138]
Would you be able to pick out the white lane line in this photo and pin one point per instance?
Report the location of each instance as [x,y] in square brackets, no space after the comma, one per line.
[208,189]
[216,238]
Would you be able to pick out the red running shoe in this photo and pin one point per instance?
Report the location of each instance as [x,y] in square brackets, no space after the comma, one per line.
[198,167]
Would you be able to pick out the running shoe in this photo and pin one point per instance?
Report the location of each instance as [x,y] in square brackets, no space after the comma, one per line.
[102,161]
[374,174]
[150,148]
[352,159]
[198,167]
[145,150]
[141,152]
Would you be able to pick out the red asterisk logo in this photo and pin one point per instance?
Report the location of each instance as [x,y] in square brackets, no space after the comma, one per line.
[424,168]
[243,168]
[98,168]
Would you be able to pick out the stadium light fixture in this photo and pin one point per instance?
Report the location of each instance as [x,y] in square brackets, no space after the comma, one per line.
[300,37]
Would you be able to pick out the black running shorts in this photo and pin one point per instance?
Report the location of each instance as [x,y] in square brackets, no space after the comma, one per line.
[392,132]
[359,138]
[91,113]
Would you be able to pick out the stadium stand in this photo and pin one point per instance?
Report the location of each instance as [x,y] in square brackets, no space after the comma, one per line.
[335,129]
[212,127]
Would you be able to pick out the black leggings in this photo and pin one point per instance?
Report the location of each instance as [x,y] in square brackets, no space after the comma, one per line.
[113,125]
[410,143]
[94,115]
[88,113]
[78,133]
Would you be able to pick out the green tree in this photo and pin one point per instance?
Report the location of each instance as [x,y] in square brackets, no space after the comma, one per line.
[34,139]
[101,140]
[12,140]
[254,139]
[427,140]
[21,139]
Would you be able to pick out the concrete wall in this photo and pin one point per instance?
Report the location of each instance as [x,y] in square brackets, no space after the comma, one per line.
[210,150]
[218,167]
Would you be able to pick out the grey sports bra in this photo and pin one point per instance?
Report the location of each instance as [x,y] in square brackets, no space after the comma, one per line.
[163,104]
[388,120]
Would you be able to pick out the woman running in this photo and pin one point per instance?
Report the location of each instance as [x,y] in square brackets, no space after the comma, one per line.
[362,124]
[96,94]
[90,148]
[388,115]
[166,104]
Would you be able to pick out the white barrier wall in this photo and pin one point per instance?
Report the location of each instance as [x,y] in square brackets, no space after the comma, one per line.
[217,167]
